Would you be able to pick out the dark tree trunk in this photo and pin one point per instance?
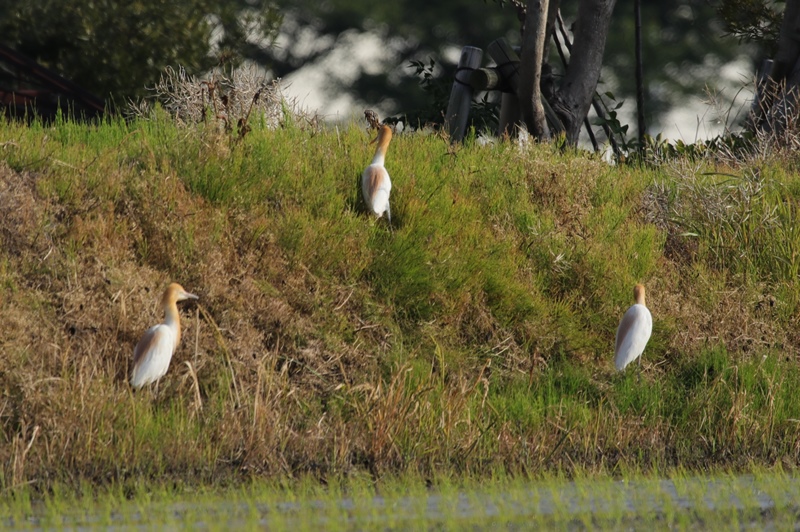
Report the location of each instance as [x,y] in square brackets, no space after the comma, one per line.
[530,71]
[580,81]
[572,97]
[776,105]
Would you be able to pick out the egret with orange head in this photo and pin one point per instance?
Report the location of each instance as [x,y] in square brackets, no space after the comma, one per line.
[153,353]
[375,182]
[633,332]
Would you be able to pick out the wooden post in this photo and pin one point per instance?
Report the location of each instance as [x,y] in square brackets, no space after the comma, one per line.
[488,79]
[509,116]
[507,61]
[461,94]
[508,66]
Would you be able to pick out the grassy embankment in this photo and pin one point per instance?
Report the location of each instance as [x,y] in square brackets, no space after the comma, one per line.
[473,339]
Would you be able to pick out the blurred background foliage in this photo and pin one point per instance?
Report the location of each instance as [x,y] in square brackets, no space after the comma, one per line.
[116,49]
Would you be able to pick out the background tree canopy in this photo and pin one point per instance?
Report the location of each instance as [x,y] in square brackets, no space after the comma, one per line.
[684,46]
[117,48]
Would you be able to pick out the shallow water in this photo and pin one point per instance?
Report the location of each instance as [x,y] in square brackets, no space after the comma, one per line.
[742,502]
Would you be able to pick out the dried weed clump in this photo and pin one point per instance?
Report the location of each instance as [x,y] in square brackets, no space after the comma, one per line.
[231,100]
[771,134]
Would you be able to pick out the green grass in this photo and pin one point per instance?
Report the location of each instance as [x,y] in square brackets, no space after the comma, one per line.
[682,501]
[471,338]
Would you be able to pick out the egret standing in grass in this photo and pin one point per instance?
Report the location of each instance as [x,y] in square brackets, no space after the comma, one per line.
[154,351]
[633,332]
[375,182]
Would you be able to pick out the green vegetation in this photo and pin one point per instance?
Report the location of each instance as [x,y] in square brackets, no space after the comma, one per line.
[472,339]
[117,49]
[357,504]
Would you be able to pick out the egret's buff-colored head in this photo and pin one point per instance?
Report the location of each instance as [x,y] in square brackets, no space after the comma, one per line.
[175,293]
[638,294]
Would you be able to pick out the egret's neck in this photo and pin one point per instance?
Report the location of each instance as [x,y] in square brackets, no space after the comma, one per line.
[638,294]
[380,155]
[384,137]
[173,320]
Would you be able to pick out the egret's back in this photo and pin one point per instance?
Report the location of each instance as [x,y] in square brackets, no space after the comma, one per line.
[152,355]
[376,187]
[632,335]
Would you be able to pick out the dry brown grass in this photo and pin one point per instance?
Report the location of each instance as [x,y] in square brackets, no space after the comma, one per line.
[90,290]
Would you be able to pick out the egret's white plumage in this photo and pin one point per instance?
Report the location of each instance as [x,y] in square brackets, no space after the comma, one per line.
[154,351]
[633,332]
[375,182]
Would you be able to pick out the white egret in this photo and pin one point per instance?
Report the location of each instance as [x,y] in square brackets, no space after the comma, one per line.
[633,332]
[154,351]
[375,182]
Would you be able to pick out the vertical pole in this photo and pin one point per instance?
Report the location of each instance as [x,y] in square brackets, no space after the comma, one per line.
[507,61]
[637,12]
[509,116]
[508,65]
[461,94]
[762,95]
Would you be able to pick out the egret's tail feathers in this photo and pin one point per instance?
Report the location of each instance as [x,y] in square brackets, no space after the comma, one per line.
[380,203]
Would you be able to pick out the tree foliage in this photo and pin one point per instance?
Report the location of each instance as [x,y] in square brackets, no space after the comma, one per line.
[117,48]
[411,30]
[757,21]
[685,43]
